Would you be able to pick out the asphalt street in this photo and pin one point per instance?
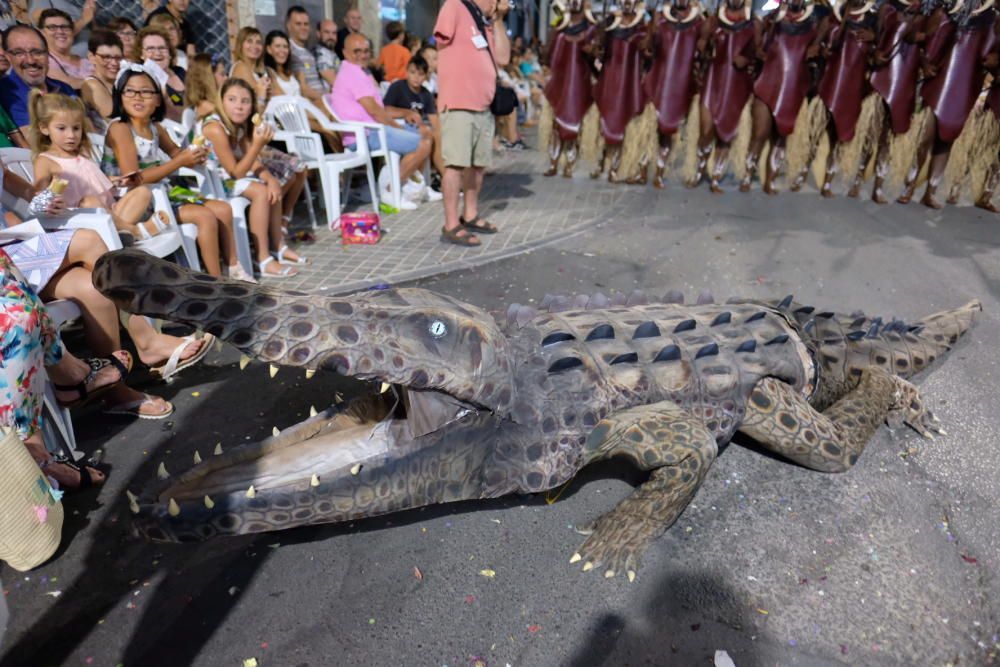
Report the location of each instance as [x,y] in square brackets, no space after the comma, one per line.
[892,563]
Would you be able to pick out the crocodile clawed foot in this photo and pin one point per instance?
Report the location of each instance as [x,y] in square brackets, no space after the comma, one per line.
[909,409]
[614,547]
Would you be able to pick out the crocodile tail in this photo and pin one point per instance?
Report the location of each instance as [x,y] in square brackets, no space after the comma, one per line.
[905,349]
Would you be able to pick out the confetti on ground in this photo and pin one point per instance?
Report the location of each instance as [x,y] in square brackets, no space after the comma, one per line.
[264,645]
[469,599]
[54,594]
[250,662]
[969,559]
[196,394]
[417,573]
[763,611]
[371,621]
[534,628]
[233,590]
[489,574]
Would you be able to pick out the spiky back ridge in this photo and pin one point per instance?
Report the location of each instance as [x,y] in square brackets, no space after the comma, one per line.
[593,356]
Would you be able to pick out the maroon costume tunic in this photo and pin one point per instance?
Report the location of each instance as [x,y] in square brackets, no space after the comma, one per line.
[784,78]
[952,93]
[896,81]
[670,83]
[618,92]
[569,90]
[844,86]
[727,88]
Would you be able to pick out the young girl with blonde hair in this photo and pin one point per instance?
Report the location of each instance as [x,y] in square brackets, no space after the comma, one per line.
[237,142]
[62,151]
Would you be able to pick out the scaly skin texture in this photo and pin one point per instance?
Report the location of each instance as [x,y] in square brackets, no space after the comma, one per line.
[477,408]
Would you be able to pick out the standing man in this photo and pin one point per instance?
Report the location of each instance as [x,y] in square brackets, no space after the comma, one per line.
[177,9]
[352,24]
[327,61]
[472,42]
[29,69]
[303,62]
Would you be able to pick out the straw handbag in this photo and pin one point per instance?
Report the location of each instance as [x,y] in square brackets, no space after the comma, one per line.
[30,517]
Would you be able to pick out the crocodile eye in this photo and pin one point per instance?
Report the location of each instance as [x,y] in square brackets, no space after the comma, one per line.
[437,328]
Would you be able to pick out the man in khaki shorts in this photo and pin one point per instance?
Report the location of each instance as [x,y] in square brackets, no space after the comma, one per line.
[466,85]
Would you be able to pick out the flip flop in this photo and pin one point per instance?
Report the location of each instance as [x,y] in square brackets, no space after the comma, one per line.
[131,409]
[483,228]
[174,365]
[96,366]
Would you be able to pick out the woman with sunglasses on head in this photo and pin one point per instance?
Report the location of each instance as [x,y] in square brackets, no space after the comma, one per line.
[106,54]
[65,66]
[154,52]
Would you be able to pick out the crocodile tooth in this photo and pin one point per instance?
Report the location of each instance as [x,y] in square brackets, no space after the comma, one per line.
[384,387]
[312,411]
[856,335]
[197,457]
[131,496]
[674,296]
[309,373]
[686,325]
[609,573]
[272,370]
[748,346]
[705,297]
[778,340]
[669,353]
[356,468]
[631,576]
[647,330]
[244,361]
[588,566]
[786,302]
[872,330]
[218,449]
[857,323]
[707,351]
[173,509]
[161,472]
[724,317]
[314,481]
[637,298]
[209,503]
[251,492]
[576,557]
[133,505]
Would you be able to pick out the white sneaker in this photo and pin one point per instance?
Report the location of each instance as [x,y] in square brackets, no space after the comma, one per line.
[405,202]
[430,194]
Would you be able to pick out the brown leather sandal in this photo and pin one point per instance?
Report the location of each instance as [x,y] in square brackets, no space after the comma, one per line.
[477,225]
[460,236]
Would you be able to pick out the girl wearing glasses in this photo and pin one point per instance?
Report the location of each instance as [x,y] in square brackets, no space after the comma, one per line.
[64,66]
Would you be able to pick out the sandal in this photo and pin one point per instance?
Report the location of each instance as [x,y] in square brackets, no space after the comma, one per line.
[280,256]
[458,238]
[87,479]
[132,409]
[285,272]
[482,228]
[96,366]
[174,364]
[159,223]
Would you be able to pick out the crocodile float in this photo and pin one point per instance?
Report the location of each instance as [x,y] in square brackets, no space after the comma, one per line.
[477,407]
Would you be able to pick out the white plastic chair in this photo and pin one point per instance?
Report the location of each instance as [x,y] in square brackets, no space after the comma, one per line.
[289,114]
[391,159]
[212,188]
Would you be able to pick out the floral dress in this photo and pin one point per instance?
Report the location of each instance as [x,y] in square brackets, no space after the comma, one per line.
[28,341]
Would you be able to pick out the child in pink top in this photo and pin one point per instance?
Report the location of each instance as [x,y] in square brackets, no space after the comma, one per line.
[62,150]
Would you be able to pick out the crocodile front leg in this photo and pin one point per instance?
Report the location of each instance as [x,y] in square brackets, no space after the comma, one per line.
[783,422]
[662,437]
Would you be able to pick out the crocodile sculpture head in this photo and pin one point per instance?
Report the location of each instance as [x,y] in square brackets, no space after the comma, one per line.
[464,407]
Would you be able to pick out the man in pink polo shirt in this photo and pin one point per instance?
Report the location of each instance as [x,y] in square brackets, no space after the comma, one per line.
[356,96]
[467,31]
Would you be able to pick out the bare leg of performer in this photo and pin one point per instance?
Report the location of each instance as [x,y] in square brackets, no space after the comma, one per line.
[831,161]
[881,158]
[570,150]
[985,200]
[666,145]
[600,163]
[720,167]
[939,160]
[555,150]
[615,151]
[706,135]
[763,125]
[926,140]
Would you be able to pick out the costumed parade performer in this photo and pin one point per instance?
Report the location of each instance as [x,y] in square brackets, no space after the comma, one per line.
[985,199]
[618,93]
[896,66]
[731,38]
[961,39]
[790,52]
[671,83]
[844,84]
[569,91]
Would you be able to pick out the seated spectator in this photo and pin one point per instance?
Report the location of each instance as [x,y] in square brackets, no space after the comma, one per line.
[29,61]
[413,44]
[248,64]
[297,27]
[531,68]
[236,144]
[430,54]
[127,32]
[177,10]
[327,61]
[30,342]
[394,55]
[156,55]
[202,85]
[356,96]
[106,54]
[134,145]
[80,17]
[168,24]
[61,268]
[410,94]
[352,25]
[64,65]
